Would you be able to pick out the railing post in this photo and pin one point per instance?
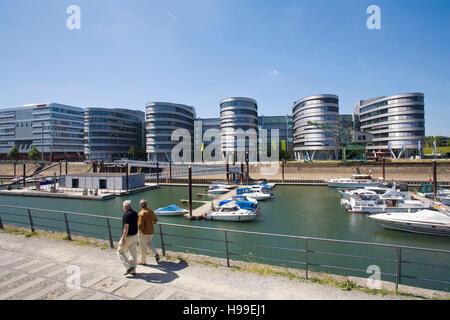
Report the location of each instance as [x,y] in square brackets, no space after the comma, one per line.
[1,223]
[111,242]
[31,221]
[398,277]
[306,258]
[162,240]
[227,253]
[69,237]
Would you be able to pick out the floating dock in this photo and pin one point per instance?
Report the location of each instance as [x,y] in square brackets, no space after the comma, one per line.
[428,201]
[200,211]
[75,194]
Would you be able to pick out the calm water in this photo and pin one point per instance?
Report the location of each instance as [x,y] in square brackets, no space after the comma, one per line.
[296,210]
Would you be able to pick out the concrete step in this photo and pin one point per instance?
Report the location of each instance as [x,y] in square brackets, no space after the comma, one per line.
[28,285]
[44,292]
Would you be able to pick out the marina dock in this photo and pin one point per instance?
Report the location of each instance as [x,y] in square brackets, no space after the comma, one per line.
[200,211]
[67,193]
[428,201]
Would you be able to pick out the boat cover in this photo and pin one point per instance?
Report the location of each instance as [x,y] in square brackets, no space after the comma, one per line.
[171,208]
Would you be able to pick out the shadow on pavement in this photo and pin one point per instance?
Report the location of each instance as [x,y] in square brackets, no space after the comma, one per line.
[167,275]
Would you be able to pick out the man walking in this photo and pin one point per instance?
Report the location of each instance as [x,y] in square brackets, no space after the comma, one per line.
[129,238]
[146,219]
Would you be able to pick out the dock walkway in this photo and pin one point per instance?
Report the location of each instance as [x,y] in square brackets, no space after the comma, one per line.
[39,268]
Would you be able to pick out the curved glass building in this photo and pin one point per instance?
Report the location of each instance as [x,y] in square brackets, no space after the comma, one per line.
[310,142]
[239,127]
[110,133]
[396,120]
[162,118]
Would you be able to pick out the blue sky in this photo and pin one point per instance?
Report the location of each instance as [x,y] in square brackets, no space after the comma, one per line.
[196,52]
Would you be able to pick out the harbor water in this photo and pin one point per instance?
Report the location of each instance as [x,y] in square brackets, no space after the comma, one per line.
[310,211]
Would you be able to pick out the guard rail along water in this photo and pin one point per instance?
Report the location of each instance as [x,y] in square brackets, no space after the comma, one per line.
[109,228]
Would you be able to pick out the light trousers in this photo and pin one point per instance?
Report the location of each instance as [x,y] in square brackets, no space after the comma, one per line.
[145,243]
[130,245]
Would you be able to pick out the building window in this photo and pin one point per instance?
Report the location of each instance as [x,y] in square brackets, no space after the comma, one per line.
[75,183]
[102,184]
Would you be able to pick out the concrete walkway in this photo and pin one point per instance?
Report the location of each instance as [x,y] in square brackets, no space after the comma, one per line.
[38,268]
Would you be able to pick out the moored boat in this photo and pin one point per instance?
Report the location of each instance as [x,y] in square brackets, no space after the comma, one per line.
[172,210]
[233,211]
[423,221]
[216,189]
[356,181]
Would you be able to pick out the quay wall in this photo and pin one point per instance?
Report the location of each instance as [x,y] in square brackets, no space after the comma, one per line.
[399,171]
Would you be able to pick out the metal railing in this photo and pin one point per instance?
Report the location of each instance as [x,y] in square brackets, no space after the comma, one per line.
[70,228]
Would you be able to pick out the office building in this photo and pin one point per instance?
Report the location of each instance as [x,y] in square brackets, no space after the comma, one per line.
[110,133]
[162,119]
[396,122]
[311,142]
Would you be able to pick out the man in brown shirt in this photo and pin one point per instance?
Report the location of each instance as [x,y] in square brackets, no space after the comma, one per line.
[146,219]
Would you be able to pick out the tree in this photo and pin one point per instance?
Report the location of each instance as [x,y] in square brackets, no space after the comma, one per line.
[136,153]
[13,152]
[34,153]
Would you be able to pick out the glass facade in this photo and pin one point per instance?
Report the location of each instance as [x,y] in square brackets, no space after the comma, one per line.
[311,142]
[162,119]
[239,127]
[110,133]
[398,121]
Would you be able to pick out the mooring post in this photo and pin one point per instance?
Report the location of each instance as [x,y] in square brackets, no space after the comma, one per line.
[383,162]
[54,181]
[434,181]
[190,191]
[246,164]
[24,170]
[94,167]
[170,171]
[242,173]
[157,173]
[14,169]
[126,176]
[282,170]
[67,165]
[1,223]
[228,172]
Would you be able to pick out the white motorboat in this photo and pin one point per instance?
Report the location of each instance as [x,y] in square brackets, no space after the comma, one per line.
[381,204]
[216,189]
[245,198]
[172,210]
[233,211]
[445,199]
[357,181]
[355,193]
[423,221]
[257,193]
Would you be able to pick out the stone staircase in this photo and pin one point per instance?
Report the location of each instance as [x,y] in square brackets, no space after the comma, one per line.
[31,278]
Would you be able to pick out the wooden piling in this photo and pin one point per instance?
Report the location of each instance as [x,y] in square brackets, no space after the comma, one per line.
[24,172]
[246,164]
[434,180]
[126,176]
[228,172]
[190,191]
[242,173]
[157,173]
